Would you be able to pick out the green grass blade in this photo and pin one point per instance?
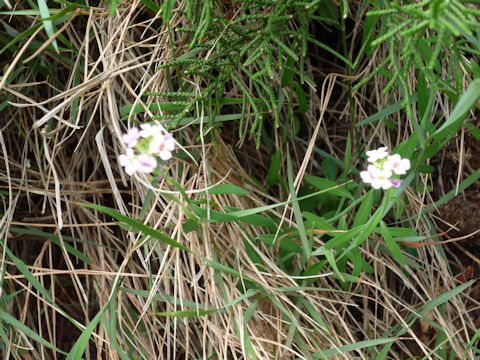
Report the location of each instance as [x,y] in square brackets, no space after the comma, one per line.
[47,24]
[187,313]
[352,347]
[463,107]
[9,319]
[391,243]
[81,344]
[137,225]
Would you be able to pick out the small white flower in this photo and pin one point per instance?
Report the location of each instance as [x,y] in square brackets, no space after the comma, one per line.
[376,177]
[129,161]
[374,155]
[147,163]
[396,164]
[150,130]
[131,137]
[163,145]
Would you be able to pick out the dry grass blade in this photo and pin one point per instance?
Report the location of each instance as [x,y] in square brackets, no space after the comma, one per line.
[234,295]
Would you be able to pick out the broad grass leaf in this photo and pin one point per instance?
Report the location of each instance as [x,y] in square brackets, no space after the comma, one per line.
[341,350]
[302,98]
[81,344]
[331,260]
[365,209]
[328,186]
[368,30]
[19,326]
[187,313]
[306,244]
[151,5]
[341,239]
[459,113]
[167,10]
[247,315]
[47,24]
[22,267]
[221,189]
[359,263]
[252,253]
[399,330]
[138,226]
[391,243]
[56,240]
[422,94]
[348,156]
[314,313]
[316,222]
[287,70]
[190,225]
[274,168]
[387,111]
[329,168]
[285,243]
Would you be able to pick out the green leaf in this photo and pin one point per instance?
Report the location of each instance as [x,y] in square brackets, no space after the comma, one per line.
[190,225]
[316,222]
[151,5]
[56,240]
[47,24]
[368,30]
[306,245]
[422,94]
[387,111]
[330,187]
[287,71]
[220,189]
[138,226]
[274,169]
[348,156]
[340,239]
[81,344]
[459,113]
[391,243]
[341,350]
[330,168]
[241,213]
[285,243]
[167,10]
[364,210]
[22,267]
[331,260]
[187,313]
[19,326]
[302,98]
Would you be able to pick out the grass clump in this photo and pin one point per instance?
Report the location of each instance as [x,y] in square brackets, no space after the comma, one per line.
[257,239]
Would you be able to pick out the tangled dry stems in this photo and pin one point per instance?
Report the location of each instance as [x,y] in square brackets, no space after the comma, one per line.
[51,162]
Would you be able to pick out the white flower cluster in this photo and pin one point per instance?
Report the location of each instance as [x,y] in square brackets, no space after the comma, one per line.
[150,143]
[382,167]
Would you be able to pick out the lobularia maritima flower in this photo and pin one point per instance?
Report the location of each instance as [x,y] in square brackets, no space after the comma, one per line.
[382,167]
[150,144]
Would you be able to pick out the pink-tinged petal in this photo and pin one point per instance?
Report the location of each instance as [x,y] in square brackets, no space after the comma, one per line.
[147,163]
[396,164]
[377,178]
[131,137]
[163,145]
[396,183]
